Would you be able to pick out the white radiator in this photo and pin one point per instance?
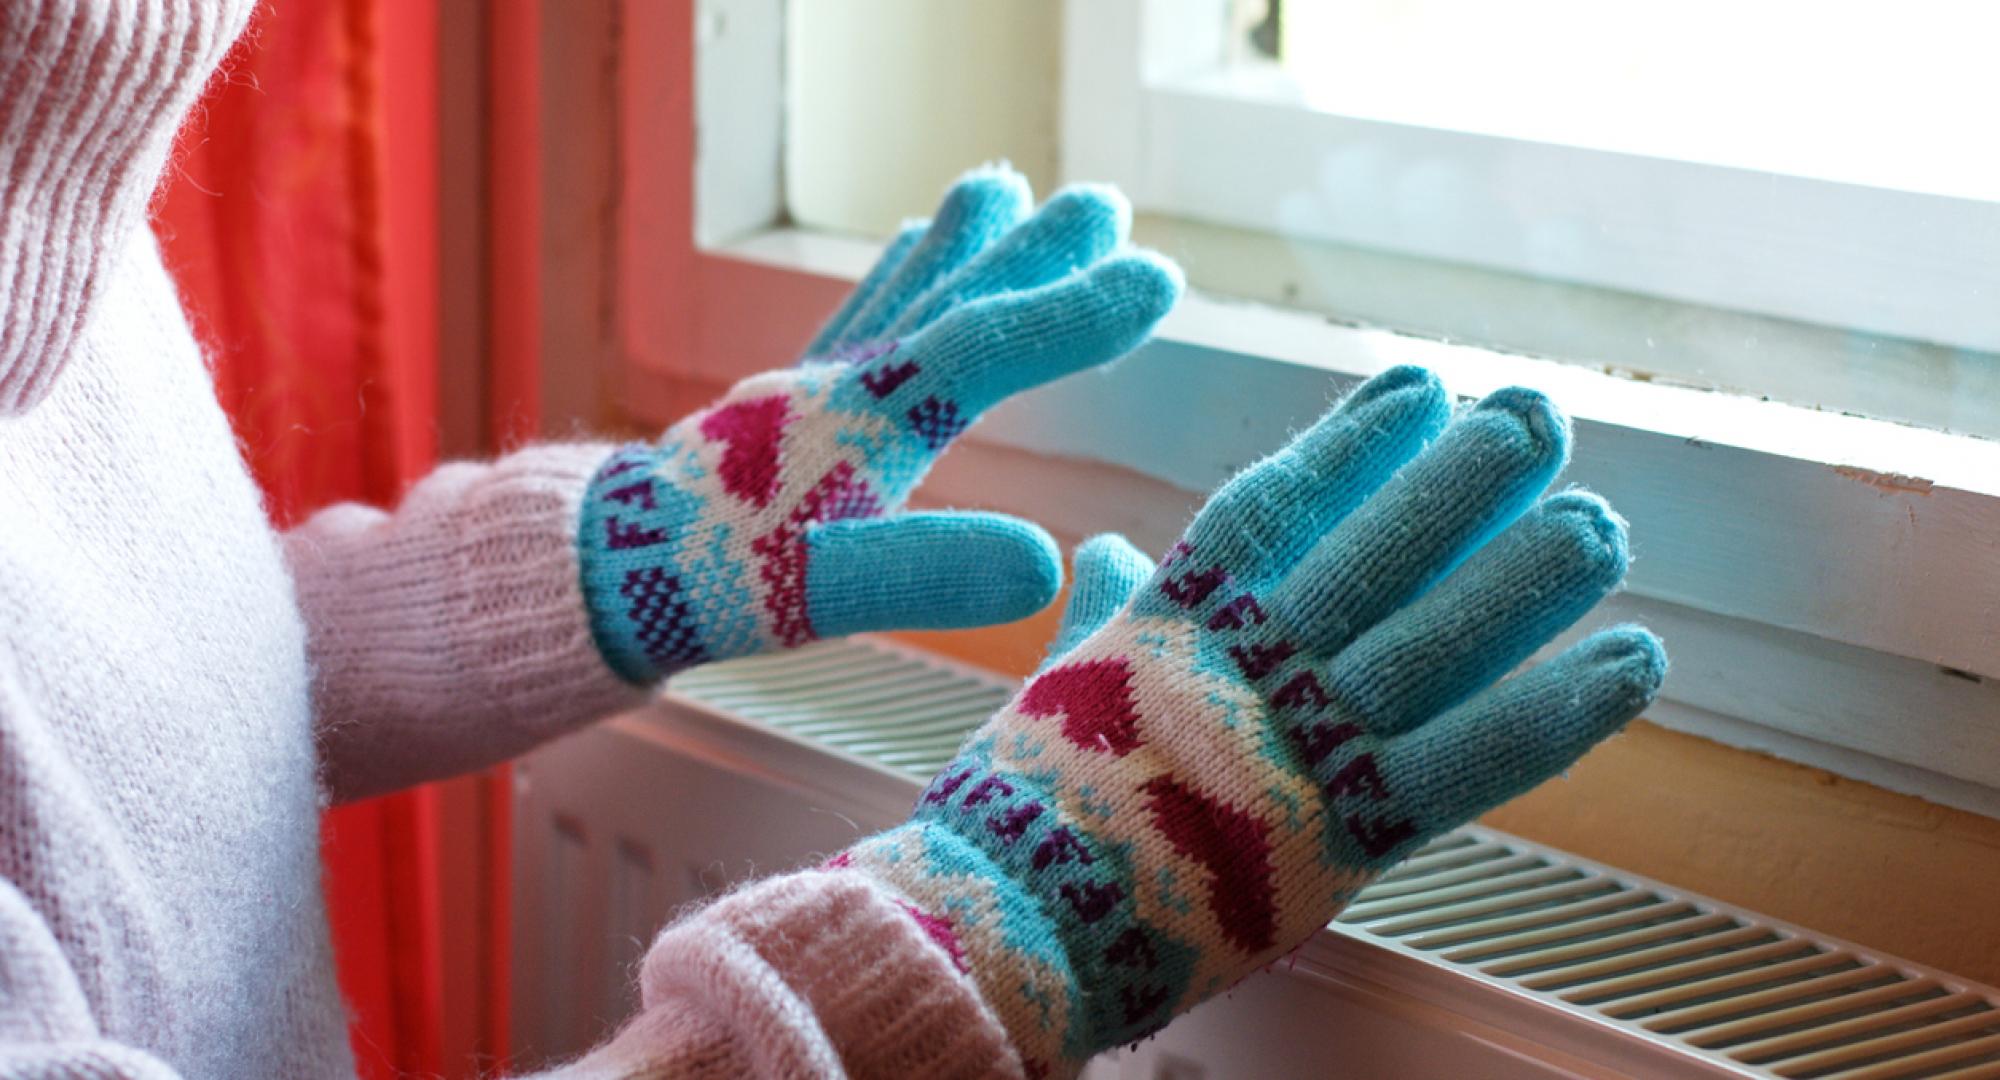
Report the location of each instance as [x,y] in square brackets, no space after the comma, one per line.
[1483,956]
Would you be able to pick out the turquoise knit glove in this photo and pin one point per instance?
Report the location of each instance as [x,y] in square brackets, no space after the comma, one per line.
[1225,748]
[769,519]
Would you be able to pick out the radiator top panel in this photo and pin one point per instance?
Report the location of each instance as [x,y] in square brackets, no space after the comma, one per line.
[1742,994]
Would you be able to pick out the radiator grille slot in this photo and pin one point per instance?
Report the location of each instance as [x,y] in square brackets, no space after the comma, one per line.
[883,705]
[1724,985]
[1766,998]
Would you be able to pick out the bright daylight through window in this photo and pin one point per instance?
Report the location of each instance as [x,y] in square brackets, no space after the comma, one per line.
[1648,189]
[1855,96]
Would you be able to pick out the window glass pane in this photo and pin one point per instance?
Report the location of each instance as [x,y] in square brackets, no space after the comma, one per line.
[887,100]
[1891,95]
[1870,95]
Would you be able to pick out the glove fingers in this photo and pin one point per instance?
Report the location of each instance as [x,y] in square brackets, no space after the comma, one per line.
[1513,596]
[834,334]
[1108,571]
[927,571]
[1075,228]
[981,352]
[978,209]
[1273,512]
[1480,474]
[1498,745]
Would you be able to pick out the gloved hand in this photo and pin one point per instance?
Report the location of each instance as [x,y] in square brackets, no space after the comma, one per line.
[770,518]
[1221,751]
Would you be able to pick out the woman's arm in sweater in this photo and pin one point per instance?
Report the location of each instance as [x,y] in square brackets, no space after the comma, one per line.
[814,974]
[797,978]
[452,633]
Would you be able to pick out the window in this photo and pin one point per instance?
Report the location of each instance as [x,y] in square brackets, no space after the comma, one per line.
[1783,87]
[1769,197]
[1820,546]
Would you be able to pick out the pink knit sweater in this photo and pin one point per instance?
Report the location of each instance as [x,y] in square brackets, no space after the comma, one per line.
[181,688]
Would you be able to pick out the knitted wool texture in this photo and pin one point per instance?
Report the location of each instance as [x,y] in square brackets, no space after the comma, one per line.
[173,673]
[769,519]
[90,94]
[1227,748]
[835,948]
[467,593]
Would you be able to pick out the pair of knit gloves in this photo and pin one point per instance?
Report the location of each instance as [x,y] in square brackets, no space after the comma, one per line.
[1223,746]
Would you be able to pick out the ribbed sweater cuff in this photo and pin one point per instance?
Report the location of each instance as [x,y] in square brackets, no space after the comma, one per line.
[452,634]
[91,92]
[823,973]
[672,1042]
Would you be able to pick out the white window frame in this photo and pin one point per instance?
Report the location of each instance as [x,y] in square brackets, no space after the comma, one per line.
[1828,586]
[1148,104]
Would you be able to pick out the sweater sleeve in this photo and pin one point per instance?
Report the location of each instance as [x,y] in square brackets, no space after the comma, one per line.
[90,95]
[813,974]
[452,633]
[804,976]
[46,1029]
[821,973]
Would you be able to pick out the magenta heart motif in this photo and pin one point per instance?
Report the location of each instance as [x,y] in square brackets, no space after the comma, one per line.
[751,430]
[1233,847]
[1095,700]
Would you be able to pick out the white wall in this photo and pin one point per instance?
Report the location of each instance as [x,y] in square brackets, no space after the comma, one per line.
[881,118]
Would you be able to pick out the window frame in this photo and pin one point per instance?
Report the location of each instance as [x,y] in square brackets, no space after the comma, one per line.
[1818,577]
[1183,135]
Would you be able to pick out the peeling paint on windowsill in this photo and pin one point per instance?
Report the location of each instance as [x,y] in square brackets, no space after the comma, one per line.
[1887,483]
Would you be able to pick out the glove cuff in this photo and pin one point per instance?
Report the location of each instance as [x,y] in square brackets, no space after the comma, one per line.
[655,608]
